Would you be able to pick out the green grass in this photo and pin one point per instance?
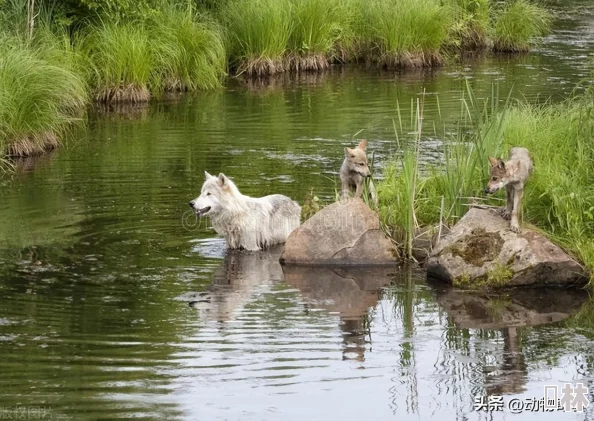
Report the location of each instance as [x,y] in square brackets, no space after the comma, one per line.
[122,59]
[259,32]
[316,31]
[39,100]
[410,200]
[559,198]
[559,195]
[517,24]
[406,33]
[189,54]
[471,24]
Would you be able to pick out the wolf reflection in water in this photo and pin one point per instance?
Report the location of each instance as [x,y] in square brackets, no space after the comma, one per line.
[243,277]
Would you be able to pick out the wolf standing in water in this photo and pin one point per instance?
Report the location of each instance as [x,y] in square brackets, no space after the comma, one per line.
[511,174]
[354,170]
[251,223]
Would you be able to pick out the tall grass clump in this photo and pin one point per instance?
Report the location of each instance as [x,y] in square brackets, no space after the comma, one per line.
[56,45]
[189,54]
[517,24]
[471,24]
[349,32]
[316,32]
[39,100]
[122,60]
[406,33]
[259,32]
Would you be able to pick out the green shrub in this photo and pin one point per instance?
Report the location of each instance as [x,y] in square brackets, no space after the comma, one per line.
[470,25]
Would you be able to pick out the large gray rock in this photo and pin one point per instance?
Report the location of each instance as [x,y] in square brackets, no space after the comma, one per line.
[481,250]
[343,233]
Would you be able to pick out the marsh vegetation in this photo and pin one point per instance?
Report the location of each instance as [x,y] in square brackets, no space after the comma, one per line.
[559,196]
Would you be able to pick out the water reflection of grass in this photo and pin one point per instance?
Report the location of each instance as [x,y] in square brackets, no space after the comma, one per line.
[583,320]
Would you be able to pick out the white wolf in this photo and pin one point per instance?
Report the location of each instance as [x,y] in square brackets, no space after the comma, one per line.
[251,223]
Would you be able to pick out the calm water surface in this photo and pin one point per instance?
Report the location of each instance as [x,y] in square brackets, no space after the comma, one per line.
[115,303]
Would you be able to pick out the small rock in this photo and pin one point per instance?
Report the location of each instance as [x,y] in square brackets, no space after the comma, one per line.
[481,250]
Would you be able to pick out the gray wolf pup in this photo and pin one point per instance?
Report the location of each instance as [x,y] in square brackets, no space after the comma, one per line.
[354,170]
[511,174]
[250,223]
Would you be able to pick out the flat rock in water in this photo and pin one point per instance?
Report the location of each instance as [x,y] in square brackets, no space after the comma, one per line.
[343,233]
[481,250]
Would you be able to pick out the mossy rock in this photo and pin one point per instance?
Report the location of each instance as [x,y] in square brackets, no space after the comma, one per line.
[482,252]
[478,248]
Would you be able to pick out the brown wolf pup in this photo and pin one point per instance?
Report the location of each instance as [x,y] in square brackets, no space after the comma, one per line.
[511,174]
[354,170]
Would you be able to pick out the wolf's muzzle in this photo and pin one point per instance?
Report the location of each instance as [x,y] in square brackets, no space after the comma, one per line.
[191,204]
[202,211]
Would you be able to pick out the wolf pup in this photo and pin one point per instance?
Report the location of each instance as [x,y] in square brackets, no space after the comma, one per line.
[511,174]
[250,223]
[354,170]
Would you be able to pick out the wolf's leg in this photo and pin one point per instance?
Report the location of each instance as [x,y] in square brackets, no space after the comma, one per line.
[515,224]
[373,193]
[345,190]
[253,230]
[359,191]
[509,193]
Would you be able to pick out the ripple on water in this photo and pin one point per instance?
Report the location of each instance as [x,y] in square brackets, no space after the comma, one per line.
[116,303]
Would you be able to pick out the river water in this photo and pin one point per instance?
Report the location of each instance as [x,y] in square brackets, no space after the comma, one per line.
[114,303]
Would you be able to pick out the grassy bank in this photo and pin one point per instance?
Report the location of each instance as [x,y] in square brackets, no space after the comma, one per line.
[70,54]
[267,37]
[49,73]
[559,196]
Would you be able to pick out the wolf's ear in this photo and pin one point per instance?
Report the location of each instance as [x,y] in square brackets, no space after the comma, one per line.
[501,164]
[207,175]
[223,179]
[493,161]
[362,144]
[348,152]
